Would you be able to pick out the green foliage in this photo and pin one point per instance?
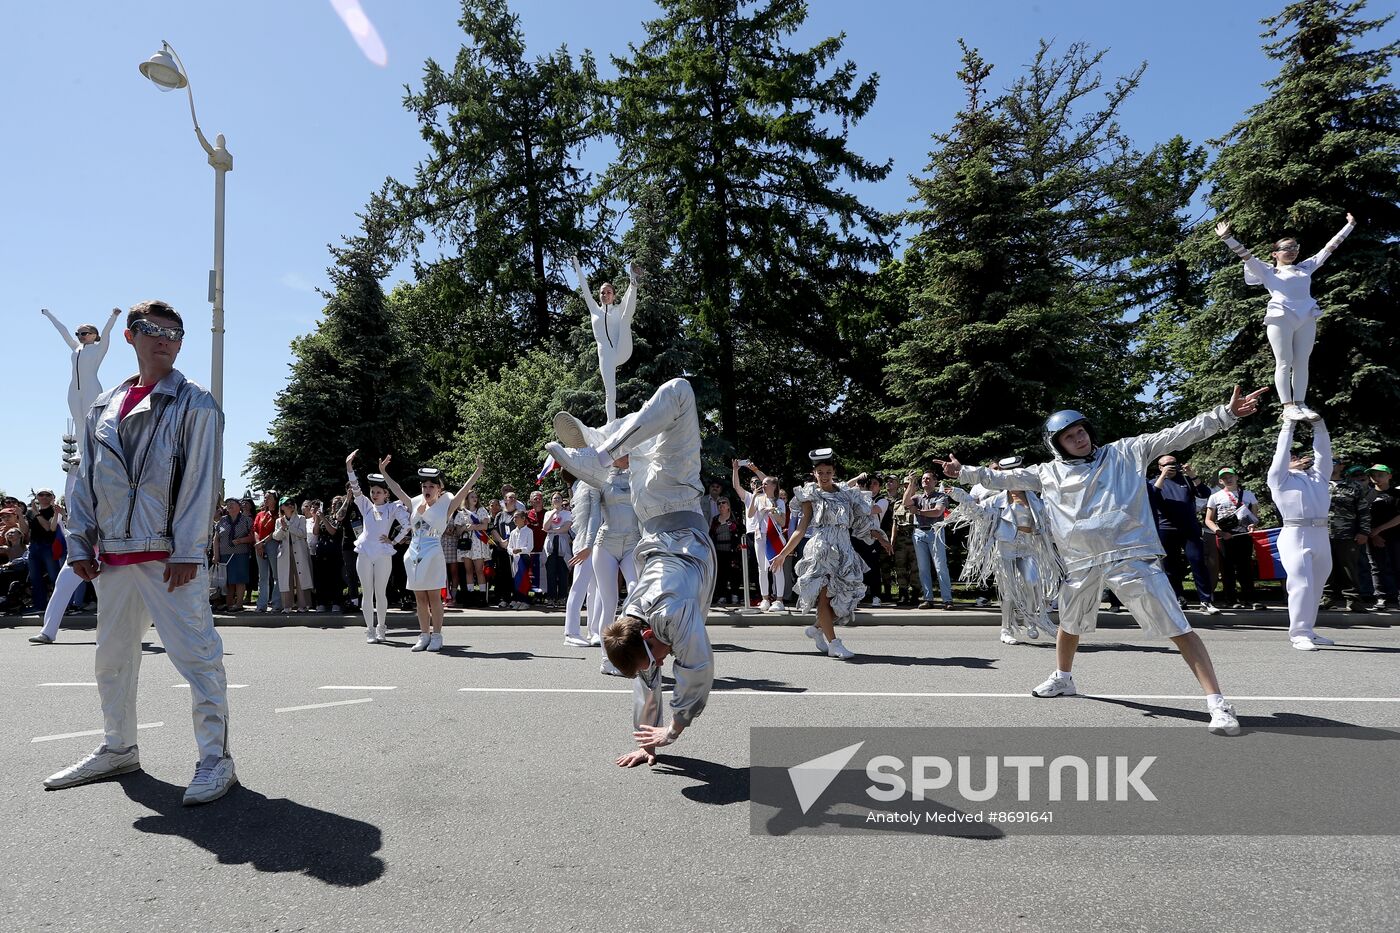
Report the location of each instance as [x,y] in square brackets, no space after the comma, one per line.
[744,141]
[500,190]
[505,421]
[351,384]
[1325,141]
[1016,284]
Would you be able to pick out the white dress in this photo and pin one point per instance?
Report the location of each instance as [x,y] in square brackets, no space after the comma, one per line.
[480,547]
[828,559]
[424,563]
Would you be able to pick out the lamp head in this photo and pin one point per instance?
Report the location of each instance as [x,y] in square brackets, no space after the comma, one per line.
[163,71]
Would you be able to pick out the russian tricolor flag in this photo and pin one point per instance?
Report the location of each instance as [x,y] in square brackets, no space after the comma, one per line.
[549,467]
[1266,554]
[773,537]
[522,573]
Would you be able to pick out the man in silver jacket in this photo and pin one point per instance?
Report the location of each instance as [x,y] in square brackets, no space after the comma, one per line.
[138,527]
[1101,522]
[664,615]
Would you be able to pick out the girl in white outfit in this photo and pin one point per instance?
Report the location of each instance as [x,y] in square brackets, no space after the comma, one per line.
[1302,494]
[424,564]
[89,347]
[612,329]
[588,519]
[763,507]
[1291,318]
[88,350]
[615,546]
[374,548]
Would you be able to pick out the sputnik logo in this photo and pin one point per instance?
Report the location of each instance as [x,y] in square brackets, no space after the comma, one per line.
[811,778]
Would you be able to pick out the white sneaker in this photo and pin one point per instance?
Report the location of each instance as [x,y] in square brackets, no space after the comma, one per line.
[569,430]
[40,639]
[213,777]
[1055,686]
[435,642]
[98,765]
[1294,413]
[777,607]
[816,635]
[594,639]
[839,651]
[1210,609]
[370,637]
[422,643]
[765,605]
[1223,721]
[576,641]
[1322,640]
[382,632]
[609,668]
[1307,413]
[875,603]
[1303,643]
[1007,638]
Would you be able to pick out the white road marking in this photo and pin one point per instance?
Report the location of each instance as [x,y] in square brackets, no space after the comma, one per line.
[338,687]
[78,735]
[72,684]
[293,709]
[1024,695]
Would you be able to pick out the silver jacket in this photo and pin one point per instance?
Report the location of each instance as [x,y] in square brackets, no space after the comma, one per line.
[588,517]
[1098,508]
[663,438]
[618,531]
[148,481]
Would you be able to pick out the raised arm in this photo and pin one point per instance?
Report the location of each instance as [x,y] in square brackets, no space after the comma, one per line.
[1146,448]
[629,298]
[404,498]
[1322,451]
[1326,252]
[111,321]
[461,498]
[1256,272]
[62,331]
[1278,469]
[583,290]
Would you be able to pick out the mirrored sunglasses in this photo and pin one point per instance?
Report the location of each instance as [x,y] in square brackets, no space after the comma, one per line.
[151,329]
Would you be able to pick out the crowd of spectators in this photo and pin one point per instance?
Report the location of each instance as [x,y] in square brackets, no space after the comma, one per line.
[282,554]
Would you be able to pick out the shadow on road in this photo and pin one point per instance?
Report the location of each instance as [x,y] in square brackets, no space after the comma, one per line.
[1290,721]
[272,835]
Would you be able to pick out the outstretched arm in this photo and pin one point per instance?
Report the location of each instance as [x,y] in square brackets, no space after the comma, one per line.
[1326,252]
[583,290]
[404,498]
[1278,469]
[1322,451]
[460,499]
[1256,272]
[111,321]
[629,298]
[62,331]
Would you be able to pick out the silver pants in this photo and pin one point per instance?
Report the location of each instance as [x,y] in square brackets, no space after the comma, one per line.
[130,598]
[1143,587]
[1022,594]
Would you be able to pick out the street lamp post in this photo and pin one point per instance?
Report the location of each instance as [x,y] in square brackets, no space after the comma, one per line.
[167,72]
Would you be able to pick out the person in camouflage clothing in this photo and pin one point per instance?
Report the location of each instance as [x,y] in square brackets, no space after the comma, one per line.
[905,565]
[1349,528]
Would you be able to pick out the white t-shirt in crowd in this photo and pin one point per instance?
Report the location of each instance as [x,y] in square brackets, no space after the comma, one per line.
[1227,503]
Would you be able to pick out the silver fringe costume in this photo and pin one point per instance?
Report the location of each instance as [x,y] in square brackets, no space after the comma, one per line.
[998,548]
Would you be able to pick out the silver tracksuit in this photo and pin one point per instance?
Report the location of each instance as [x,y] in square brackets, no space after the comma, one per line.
[1101,521]
[677,556]
[148,483]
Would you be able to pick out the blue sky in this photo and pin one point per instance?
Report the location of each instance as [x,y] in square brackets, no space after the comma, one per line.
[109,199]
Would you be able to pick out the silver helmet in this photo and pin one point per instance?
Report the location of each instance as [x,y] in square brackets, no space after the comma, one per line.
[1059,422]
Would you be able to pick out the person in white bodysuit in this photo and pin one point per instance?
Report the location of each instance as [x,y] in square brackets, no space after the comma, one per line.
[89,348]
[374,548]
[1291,319]
[612,329]
[1302,495]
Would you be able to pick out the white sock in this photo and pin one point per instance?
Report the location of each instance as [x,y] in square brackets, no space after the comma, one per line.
[1066,675]
[1215,699]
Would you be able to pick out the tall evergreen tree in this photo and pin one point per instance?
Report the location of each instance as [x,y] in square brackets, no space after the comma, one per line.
[746,140]
[1325,141]
[1016,297]
[501,189]
[352,383]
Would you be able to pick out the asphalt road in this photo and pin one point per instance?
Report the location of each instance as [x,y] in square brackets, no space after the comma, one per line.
[431,807]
